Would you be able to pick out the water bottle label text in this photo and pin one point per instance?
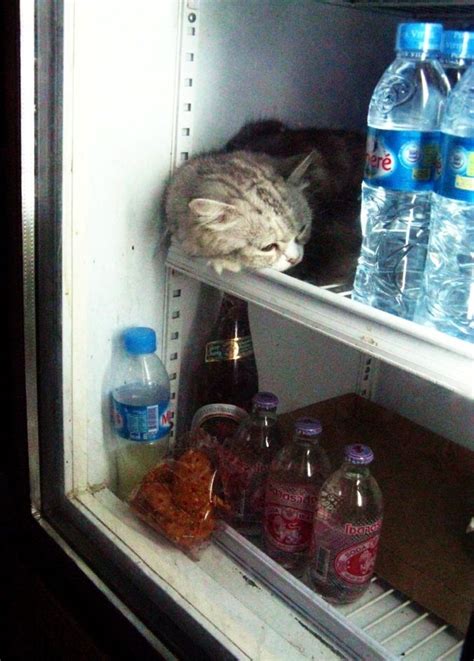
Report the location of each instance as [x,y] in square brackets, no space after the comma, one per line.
[402,160]
[141,423]
[457,172]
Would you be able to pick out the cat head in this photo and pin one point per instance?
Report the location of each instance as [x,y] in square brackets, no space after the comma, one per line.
[248,215]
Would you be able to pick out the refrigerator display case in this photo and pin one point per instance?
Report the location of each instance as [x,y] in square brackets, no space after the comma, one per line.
[114,95]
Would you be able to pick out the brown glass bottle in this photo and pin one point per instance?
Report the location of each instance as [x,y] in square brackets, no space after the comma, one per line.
[227,378]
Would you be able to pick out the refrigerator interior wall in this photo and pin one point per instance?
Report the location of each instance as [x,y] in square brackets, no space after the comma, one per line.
[119,91]
[432,406]
[306,63]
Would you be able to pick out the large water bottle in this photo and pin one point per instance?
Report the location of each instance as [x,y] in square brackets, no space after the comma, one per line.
[140,408]
[457,54]
[402,163]
[447,299]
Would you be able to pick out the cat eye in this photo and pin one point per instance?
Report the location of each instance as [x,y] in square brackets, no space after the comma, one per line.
[270,246]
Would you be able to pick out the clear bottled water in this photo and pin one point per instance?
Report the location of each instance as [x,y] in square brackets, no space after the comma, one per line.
[447,298]
[401,166]
[457,54]
[140,408]
[346,530]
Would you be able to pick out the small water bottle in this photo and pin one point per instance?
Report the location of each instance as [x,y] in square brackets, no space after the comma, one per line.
[244,462]
[295,477]
[401,166]
[140,408]
[457,54]
[447,298]
[346,531]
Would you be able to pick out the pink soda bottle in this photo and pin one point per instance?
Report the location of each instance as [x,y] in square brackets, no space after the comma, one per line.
[244,462]
[346,530]
[296,475]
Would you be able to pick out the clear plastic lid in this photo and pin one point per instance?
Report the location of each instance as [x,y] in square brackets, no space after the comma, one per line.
[139,339]
[423,37]
[358,454]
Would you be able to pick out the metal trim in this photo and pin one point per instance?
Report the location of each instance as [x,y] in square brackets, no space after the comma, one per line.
[27,59]
[48,230]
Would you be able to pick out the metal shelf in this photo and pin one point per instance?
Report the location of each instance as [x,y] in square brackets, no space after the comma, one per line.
[429,354]
[383,624]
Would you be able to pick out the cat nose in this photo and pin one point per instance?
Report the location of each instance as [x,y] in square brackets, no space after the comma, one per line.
[294,260]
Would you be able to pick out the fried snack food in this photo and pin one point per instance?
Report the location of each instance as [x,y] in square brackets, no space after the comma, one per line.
[176,499]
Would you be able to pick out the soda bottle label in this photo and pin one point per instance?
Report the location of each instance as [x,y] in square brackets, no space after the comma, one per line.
[219,420]
[402,160]
[457,172]
[355,564]
[288,516]
[141,423]
[346,553]
[233,349]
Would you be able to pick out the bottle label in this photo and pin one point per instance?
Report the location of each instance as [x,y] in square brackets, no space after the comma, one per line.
[355,564]
[346,552]
[234,349]
[288,516]
[141,423]
[402,160]
[457,171]
[219,420]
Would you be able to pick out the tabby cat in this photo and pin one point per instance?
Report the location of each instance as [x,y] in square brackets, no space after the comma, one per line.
[273,194]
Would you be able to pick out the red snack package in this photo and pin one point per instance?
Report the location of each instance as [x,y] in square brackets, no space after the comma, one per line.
[176,499]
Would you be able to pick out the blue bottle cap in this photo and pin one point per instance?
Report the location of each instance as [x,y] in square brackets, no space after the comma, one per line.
[424,37]
[358,454]
[139,339]
[308,427]
[458,44]
[265,400]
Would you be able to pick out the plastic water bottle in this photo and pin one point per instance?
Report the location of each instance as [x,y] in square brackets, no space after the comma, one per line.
[296,475]
[447,298]
[401,166]
[346,531]
[457,54]
[244,462]
[140,408]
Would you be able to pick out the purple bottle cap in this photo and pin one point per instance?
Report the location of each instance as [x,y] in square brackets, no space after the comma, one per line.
[265,400]
[308,426]
[358,454]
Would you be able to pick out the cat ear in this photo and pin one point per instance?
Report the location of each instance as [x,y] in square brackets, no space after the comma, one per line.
[210,210]
[296,177]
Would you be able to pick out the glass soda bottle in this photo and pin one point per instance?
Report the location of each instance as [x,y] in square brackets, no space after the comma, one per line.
[346,530]
[295,477]
[140,408]
[244,461]
[227,378]
[402,164]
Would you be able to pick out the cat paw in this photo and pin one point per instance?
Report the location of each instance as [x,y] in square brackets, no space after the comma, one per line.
[220,265]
